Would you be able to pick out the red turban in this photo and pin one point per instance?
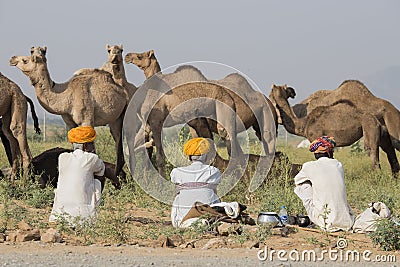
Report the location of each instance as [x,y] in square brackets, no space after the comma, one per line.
[323,144]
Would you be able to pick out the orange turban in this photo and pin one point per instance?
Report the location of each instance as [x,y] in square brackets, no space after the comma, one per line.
[196,147]
[82,134]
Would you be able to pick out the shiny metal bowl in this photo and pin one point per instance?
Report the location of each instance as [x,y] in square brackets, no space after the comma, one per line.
[270,218]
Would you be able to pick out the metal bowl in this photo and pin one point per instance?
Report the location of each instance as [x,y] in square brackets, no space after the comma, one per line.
[270,218]
[303,221]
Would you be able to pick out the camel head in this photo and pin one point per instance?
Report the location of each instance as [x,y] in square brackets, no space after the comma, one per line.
[280,94]
[115,54]
[142,60]
[31,66]
[24,63]
[282,91]
[39,53]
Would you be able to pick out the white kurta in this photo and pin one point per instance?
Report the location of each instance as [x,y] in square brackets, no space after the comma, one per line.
[328,187]
[196,172]
[78,193]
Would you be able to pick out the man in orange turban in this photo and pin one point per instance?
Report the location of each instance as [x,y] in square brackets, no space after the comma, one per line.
[78,193]
[320,185]
[196,182]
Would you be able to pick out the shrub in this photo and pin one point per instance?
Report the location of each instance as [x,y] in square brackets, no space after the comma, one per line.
[387,235]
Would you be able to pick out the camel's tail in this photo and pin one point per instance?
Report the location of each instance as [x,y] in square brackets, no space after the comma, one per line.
[34,116]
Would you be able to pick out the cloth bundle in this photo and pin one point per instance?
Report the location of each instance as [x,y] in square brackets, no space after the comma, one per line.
[365,222]
[231,212]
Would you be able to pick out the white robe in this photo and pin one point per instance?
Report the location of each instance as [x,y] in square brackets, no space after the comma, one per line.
[78,193]
[196,172]
[328,187]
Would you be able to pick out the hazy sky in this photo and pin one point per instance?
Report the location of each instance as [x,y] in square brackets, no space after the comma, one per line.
[310,45]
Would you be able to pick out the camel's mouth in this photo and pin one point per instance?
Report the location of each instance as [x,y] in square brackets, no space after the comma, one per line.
[128,60]
[115,59]
[13,61]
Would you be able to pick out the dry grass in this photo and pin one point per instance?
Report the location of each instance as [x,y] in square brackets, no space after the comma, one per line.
[119,212]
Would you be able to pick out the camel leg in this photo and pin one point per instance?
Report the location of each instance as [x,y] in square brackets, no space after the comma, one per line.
[226,125]
[6,144]
[13,145]
[69,122]
[390,118]
[18,129]
[160,156]
[388,148]
[116,132]
[267,134]
[371,132]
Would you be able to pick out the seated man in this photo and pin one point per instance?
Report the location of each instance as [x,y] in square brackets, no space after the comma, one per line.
[194,183]
[78,193]
[321,183]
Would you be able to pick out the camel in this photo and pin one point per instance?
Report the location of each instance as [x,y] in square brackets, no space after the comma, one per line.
[94,99]
[4,140]
[13,109]
[46,165]
[341,120]
[363,100]
[180,105]
[250,104]
[115,66]
[280,160]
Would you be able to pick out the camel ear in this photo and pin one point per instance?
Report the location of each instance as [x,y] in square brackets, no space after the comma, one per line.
[120,47]
[108,47]
[151,53]
[285,86]
[44,49]
[272,86]
[32,49]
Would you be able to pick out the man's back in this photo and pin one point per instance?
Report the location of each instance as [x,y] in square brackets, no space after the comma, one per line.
[328,188]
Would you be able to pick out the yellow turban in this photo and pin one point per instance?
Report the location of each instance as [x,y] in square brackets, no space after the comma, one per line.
[82,134]
[196,147]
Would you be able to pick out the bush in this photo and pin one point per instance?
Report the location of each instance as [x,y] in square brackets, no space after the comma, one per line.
[387,235]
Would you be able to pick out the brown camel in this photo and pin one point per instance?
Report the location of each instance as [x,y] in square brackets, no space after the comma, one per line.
[13,109]
[4,140]
[180,105]
[46,166]
[250,105]
[115,66]
[93,99]
[341,120]
[363,100]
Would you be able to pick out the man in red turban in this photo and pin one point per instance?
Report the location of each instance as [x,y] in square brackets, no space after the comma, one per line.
[78,193]
[320,185]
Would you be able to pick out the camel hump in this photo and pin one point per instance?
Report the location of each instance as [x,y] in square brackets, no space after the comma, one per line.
[90,72]
[355,86]
[344,101]
[234,75]
[188,68]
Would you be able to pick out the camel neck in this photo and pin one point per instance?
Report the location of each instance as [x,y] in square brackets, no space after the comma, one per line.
[290,121]
[45,89]
[152,69]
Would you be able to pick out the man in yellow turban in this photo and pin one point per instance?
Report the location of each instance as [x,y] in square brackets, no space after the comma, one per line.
[320,185]
[196,182]
[78,193]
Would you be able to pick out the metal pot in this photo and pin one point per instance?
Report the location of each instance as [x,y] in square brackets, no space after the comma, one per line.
[303,220]
[270,218]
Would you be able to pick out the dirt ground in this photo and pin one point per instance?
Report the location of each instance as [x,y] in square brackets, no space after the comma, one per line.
[207,250]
